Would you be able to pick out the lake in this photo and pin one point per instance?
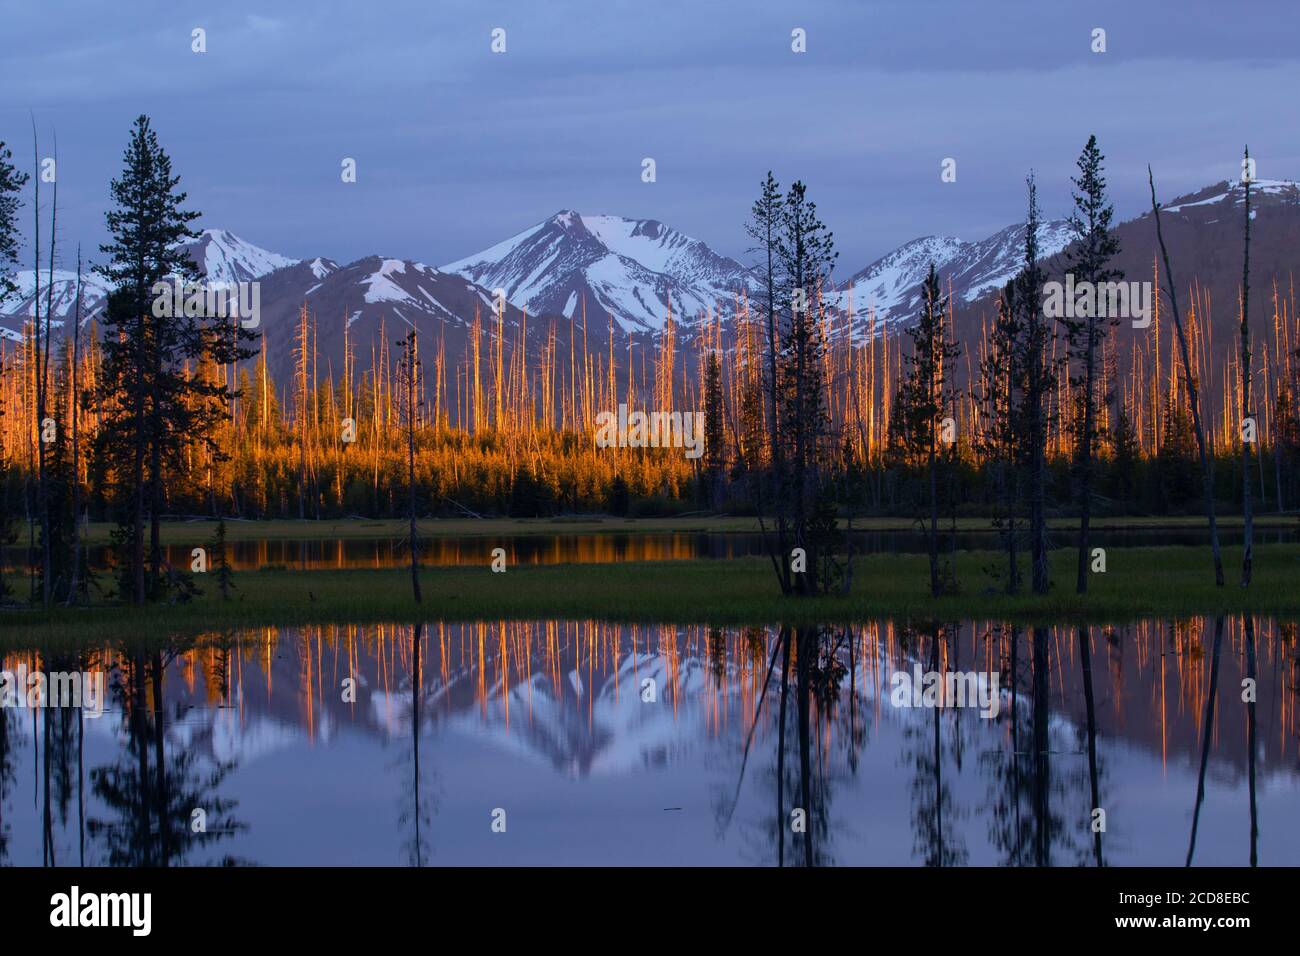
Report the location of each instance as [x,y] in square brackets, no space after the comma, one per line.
[568,742]
[609,547]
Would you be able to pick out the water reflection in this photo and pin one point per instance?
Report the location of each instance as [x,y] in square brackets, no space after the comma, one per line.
[601,548]
[159,803]
[597,743]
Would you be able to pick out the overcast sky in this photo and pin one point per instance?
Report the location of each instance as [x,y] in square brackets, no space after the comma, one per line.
[458,147]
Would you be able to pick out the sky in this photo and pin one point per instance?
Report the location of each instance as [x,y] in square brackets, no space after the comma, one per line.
[458,147]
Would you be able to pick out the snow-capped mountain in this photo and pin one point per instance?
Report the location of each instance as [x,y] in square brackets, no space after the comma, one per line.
[224,259]
[632,269]
[892,284]
[221,257]
[21,304]
[373,294]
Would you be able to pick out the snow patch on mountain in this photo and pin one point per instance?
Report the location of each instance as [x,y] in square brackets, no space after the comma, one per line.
[1282,189]
[381,286]
[320,268]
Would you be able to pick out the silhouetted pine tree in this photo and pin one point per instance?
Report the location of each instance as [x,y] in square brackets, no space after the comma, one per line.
[1176,459]
[1033,362]
[1126,452]
[408,375]
[149,403]
[11,182]
[805,251]
[1094,245]
[764,227]
[219,559]
[715,449]
[56,571]
[924,397]
[1000,394]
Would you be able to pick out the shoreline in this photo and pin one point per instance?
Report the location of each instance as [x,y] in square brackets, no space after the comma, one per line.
[198,531]
[1170,581]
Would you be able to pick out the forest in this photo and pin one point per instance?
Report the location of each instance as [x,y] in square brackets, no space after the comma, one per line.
[815,415]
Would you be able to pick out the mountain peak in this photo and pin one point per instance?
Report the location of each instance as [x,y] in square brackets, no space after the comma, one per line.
[636,270]
[567,219]
[225,259]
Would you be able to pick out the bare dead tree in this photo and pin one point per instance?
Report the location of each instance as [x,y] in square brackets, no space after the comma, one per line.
[409,369]
[1248,521]
[1189,379]
[41,349]
[76,440]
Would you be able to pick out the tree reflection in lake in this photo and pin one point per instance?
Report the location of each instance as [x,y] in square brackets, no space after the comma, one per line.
[159,808]
[937,840]
[669,744]
[9,739]
[416,806]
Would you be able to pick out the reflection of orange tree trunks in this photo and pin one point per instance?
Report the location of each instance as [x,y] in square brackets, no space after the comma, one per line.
[651,430]
[950,689]
[24,688]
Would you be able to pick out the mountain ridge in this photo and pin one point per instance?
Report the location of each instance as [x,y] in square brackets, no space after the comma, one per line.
[635,270]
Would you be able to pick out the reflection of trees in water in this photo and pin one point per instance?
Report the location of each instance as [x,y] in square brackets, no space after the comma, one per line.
[936,838]
[57,735]
[416,814]
[1039,797]
[804,691]
[1250,738]
[1009,830]
[10,740]
[1208,733]
[151,792]
[716,651]
[1096,770]
[63,766]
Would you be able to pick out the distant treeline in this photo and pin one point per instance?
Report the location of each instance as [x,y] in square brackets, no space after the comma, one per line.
[146,416]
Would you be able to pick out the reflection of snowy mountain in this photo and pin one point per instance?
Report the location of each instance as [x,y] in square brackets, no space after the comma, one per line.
[583,715]
[604,728]
[584,724]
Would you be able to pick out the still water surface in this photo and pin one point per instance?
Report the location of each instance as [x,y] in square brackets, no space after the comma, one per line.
[593,743]
[609,547]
